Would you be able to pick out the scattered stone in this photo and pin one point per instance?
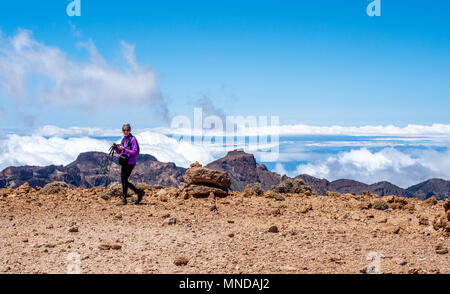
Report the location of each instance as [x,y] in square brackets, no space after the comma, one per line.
[440,249]
[382,221]
[163,195]
[279,198]
[423,221]
[231,235]
[73,230]
[306,208]
[181,261]
[116,247]
[396,230]
[273,229]
[104,246]
[170,221]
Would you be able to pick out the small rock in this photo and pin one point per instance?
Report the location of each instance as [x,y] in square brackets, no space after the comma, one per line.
[273,229]
[231,235]
[116,247]
[402,262]
[104,246]
[440,249]
[279,198]
[306,208]
[170,221]
[396,230]
[423,221]
[73,230]
[180,261]
[382,221]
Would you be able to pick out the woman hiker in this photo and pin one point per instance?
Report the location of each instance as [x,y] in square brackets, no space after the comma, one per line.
[128,150]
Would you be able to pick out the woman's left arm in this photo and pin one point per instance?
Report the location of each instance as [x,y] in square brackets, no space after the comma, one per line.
[133,150]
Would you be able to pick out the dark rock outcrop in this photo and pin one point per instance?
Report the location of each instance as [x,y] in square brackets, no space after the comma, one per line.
[321,186]
[243,170]
[433,187]
[83,172]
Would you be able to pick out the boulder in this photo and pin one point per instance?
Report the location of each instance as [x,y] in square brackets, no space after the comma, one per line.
[201,191]
[206,176]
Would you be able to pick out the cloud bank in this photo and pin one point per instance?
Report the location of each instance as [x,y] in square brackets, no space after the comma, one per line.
[38,149]
[402,165]
[401,168]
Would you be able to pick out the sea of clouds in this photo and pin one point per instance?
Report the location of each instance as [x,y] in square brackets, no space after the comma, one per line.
[404,160]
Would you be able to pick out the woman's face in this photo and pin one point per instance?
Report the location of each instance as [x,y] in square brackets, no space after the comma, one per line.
[126,131]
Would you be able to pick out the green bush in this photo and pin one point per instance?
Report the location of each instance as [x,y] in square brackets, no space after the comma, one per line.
[54,188]
[380,205]
[292,186]
[256,188]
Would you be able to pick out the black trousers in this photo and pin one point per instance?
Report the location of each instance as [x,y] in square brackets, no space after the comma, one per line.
[125,174]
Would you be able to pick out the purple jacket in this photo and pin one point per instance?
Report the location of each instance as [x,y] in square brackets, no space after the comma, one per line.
[131,153]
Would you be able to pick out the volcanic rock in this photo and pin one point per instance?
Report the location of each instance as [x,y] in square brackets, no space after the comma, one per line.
[206,176]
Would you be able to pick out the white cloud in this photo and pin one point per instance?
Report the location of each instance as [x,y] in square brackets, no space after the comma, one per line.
[400,168]
[64,81]
[279,168]
[36,149]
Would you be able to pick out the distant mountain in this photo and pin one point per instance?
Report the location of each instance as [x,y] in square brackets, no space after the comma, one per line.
[241,167]
[437,187]
[243,170]
[83,172]
[321,186]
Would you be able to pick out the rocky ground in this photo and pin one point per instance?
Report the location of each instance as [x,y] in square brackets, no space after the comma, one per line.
[43,232]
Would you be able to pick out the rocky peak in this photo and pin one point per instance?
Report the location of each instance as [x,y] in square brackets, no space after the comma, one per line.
[243,170]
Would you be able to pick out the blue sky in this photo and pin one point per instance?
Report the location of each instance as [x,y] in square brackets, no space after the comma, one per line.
[312,62]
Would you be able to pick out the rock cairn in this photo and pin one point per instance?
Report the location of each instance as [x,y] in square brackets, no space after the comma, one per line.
[200,182]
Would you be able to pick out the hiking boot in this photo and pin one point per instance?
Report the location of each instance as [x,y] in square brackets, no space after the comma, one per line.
[123,202]
[141,194]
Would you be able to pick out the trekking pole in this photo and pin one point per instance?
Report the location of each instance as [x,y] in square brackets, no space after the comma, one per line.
[106,165]
[106,161]
[109,168]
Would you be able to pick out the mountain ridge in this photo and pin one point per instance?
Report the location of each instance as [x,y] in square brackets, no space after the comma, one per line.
[241,166]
